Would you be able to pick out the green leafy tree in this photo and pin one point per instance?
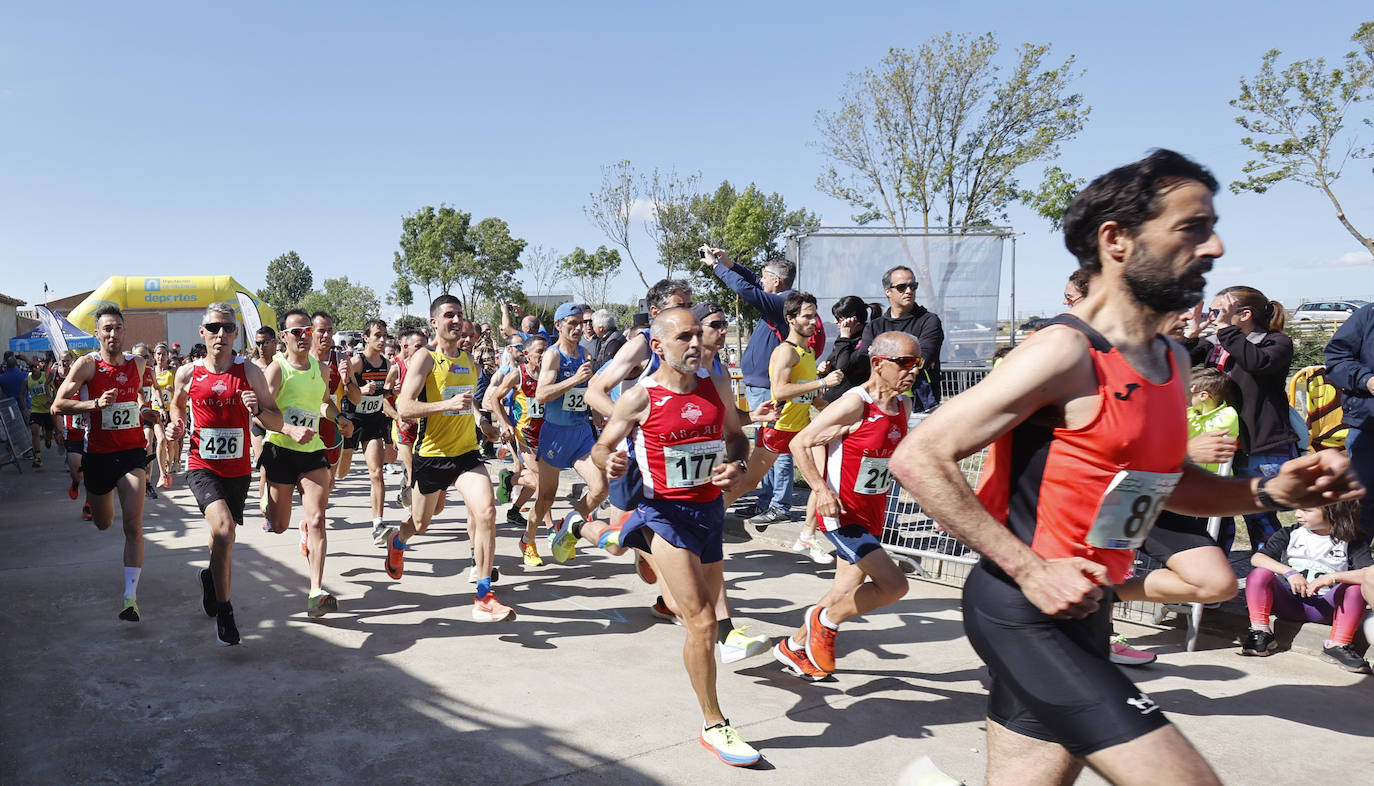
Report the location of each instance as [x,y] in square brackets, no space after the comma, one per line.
[1295,122]
[351,305]
[936,136]
[441,250]
[288,281]
[1052,198]
[406,321]
[591,272]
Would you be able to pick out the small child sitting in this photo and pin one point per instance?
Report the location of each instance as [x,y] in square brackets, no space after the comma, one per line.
[1298,576]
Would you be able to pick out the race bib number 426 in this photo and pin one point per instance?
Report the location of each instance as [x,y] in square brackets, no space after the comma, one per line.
[221,443]
[1128,510]
[693,463]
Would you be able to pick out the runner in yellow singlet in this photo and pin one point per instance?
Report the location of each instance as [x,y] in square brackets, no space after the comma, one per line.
[439,391]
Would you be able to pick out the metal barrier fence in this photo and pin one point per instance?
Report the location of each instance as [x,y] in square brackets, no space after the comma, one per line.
[913,537]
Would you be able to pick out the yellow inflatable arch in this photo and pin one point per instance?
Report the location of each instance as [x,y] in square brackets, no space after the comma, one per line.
[164,308]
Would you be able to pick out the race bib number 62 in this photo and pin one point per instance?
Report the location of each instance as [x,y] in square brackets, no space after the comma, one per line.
[119,416]
[1128,510]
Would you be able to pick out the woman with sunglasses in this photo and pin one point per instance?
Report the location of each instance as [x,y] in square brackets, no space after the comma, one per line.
[1251,347]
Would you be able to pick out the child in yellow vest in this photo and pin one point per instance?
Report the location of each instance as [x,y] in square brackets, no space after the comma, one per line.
[1208,410]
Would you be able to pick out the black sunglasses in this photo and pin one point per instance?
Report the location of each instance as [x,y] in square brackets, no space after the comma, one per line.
[904,287]
[717,324]
[216,327]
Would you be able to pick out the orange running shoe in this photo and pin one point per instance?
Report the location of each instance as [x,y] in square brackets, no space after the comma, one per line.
[86,511]
[644,570]
[489,609]
[820,641]
[796,662]
[305,541]
[73,491]
[395,558]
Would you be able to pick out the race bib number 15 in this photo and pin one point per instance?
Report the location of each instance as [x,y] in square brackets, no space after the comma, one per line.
[1128,510]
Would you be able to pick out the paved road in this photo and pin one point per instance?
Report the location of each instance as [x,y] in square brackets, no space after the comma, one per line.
[585,687]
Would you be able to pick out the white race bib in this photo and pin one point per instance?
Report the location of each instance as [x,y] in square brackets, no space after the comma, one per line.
[149,396]
[692,464]
[451,391]
[369,405]
[221,443]
[805,398]
[1128,510]
[119,416]
[79,422]
[167,399]
[295,416]
[874,476]
[536,408]
[575,400]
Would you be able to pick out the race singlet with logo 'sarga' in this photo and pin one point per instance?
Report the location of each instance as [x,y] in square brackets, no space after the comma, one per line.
[116,427]
[219,439]
[856,467]
[681,442]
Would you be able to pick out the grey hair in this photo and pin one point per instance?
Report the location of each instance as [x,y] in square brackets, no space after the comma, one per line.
[603,319]
[135,347]
[783,269]
[894,342]
[221,307]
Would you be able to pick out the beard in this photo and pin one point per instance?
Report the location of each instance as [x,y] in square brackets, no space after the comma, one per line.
[1154,286]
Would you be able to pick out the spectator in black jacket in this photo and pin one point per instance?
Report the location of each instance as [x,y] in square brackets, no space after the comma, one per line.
[906,316]
[604,340]
[1252,349]
[1350,366]
[851,315]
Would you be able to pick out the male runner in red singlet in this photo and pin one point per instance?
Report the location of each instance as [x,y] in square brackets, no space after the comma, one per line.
[859,432]
[224,394]
[151,394]
[1090,436]
[412,340]
[115,445]
[689,447]
[332,433]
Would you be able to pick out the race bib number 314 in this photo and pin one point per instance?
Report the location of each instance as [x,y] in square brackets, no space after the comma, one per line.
[1128,510]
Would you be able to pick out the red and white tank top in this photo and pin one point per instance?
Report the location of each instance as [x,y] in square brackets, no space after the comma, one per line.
[76,424]
[219,439]
[681,442]
[856,466]
[1094,491]
[146,388]
[116,427]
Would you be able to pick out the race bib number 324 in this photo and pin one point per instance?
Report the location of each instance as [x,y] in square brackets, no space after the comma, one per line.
[1129,508]
[575,400]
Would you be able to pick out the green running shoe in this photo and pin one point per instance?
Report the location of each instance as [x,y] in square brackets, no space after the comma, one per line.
[722,740]
[130,611]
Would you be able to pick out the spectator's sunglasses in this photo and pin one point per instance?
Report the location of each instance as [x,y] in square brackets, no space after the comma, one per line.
[911,285]
[904,362]
[717,324]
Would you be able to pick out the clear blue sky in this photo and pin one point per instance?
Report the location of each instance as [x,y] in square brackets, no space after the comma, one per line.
[184,138]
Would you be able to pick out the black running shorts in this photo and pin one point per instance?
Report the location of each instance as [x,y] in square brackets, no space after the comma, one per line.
[367,428]
[43,420]
[286,466]
[102,471]
[210,488]
[1175,533]
[1051,678]
[433,474]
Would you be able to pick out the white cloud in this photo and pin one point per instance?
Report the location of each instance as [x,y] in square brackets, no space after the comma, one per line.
[1348,259]
[642,210]
[1228,270]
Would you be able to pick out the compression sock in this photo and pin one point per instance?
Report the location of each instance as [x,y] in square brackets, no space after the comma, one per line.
[723,628]
[483,587]
[131,582]
[576,527]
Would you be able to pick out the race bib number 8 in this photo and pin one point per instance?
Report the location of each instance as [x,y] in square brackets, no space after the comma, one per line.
[693,463]
[119,416]
[295,416]
[221,443]
[575,400]
[450,391]
[874,476]
[1128,510]
[370,405]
